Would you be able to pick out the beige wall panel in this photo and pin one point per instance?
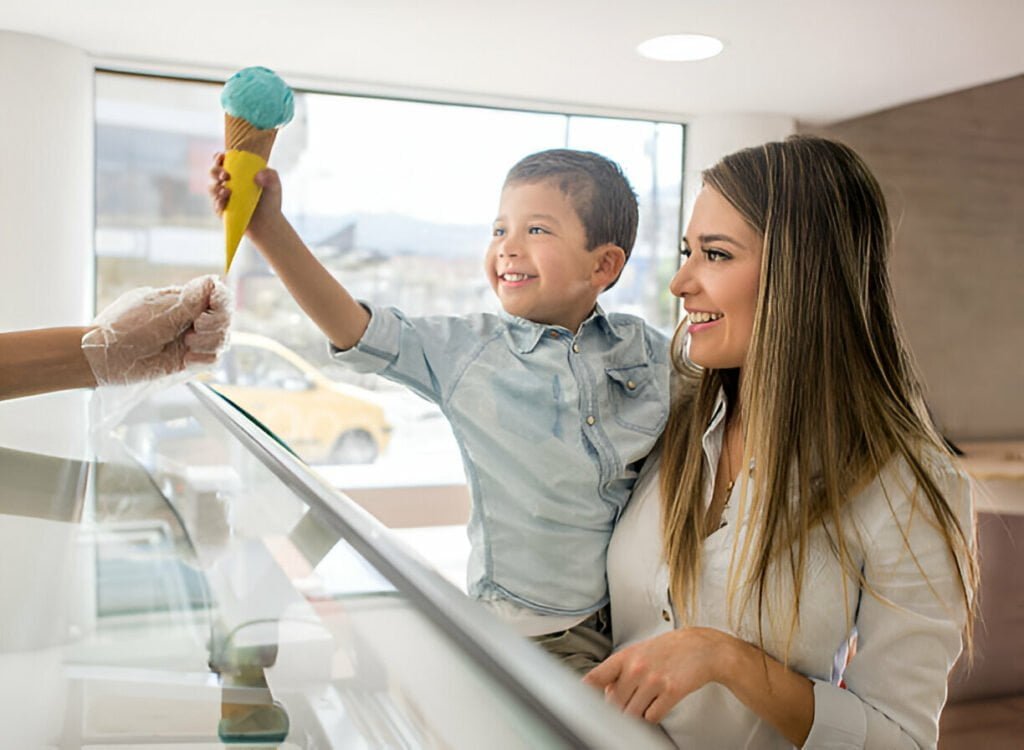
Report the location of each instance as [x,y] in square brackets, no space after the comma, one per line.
[953,171]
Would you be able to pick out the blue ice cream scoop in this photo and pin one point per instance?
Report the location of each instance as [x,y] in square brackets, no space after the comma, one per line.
[259,96]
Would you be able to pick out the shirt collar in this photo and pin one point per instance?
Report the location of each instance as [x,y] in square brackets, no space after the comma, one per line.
[599,318]
[712,440]
[715,432]
[524,334]
[718,413]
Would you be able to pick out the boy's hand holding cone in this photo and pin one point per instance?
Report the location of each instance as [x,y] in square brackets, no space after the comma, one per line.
[256,103]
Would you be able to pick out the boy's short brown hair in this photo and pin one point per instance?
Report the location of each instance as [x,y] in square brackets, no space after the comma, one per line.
[599,191]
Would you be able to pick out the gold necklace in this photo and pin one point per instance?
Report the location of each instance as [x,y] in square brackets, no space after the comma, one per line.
[729,483]
[728,466]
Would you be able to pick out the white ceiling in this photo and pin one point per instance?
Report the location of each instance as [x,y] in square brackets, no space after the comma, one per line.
[816,60]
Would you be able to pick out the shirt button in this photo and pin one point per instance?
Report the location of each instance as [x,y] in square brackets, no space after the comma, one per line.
[553,334]
[576,348]
[666,616]
[631,385]
[591,420]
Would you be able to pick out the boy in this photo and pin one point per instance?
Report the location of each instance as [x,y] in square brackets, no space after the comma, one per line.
[554,403]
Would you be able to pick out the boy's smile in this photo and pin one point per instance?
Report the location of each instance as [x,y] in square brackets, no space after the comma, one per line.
[516,278]
[538,263]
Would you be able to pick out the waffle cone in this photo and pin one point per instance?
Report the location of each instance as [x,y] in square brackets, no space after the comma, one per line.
[242,135]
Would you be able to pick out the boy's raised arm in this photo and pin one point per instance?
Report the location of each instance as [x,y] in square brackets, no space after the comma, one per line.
[319,294]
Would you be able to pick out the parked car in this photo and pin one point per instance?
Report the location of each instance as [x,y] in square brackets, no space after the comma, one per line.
[322,420]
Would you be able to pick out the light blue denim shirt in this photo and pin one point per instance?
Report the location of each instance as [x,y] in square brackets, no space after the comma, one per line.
[553,428]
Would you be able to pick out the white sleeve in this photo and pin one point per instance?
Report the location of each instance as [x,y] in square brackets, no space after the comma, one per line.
[909,634]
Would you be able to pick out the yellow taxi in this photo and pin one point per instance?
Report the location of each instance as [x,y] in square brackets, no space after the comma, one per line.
[320,419]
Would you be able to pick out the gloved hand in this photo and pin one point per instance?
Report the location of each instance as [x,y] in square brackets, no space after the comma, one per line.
[147,333]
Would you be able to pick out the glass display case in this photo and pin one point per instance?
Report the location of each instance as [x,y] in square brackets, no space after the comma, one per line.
[183,580]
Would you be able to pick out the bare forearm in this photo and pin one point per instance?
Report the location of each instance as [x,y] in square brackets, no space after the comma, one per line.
[780,696]
[320,295]
[42,360]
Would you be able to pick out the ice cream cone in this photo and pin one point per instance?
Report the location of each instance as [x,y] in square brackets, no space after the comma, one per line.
[248,150]
[256,103]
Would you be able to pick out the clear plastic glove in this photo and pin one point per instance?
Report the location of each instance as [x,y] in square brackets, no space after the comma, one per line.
[148,333]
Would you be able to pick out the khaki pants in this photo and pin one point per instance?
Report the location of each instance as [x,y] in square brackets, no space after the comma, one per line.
[582,647]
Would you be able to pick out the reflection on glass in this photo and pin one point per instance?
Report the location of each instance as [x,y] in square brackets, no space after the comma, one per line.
[322,420]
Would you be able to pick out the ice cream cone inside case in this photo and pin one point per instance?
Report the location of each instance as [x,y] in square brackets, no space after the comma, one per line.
[248,149]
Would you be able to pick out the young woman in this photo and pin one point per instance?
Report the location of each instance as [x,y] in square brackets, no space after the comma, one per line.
[802,500]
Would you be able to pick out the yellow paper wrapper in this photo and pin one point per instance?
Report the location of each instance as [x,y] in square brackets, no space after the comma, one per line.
[245,194]
[248,149]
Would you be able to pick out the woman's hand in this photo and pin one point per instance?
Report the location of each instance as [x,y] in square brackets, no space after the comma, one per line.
[269,206]
[648,678]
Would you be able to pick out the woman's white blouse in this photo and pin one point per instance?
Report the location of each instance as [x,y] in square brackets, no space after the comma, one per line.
[895,682]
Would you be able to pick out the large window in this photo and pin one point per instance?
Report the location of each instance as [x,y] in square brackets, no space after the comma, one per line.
[396,198]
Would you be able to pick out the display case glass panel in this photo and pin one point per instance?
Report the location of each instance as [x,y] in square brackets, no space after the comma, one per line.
[185,581]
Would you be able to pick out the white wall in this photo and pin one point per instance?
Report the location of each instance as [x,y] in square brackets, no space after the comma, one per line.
[711,137]
[46,183]
[46,220]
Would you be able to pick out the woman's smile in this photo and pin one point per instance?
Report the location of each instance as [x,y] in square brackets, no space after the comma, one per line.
[701,321]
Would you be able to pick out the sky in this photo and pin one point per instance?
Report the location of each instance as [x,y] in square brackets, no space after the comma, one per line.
[441,163]
[445,164]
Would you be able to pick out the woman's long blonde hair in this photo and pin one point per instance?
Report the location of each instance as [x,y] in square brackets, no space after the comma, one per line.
[829,394]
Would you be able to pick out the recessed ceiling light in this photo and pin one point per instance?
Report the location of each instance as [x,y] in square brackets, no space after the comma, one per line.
[680,47]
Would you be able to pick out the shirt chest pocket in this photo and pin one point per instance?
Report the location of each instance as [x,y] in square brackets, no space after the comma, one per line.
[638,399]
